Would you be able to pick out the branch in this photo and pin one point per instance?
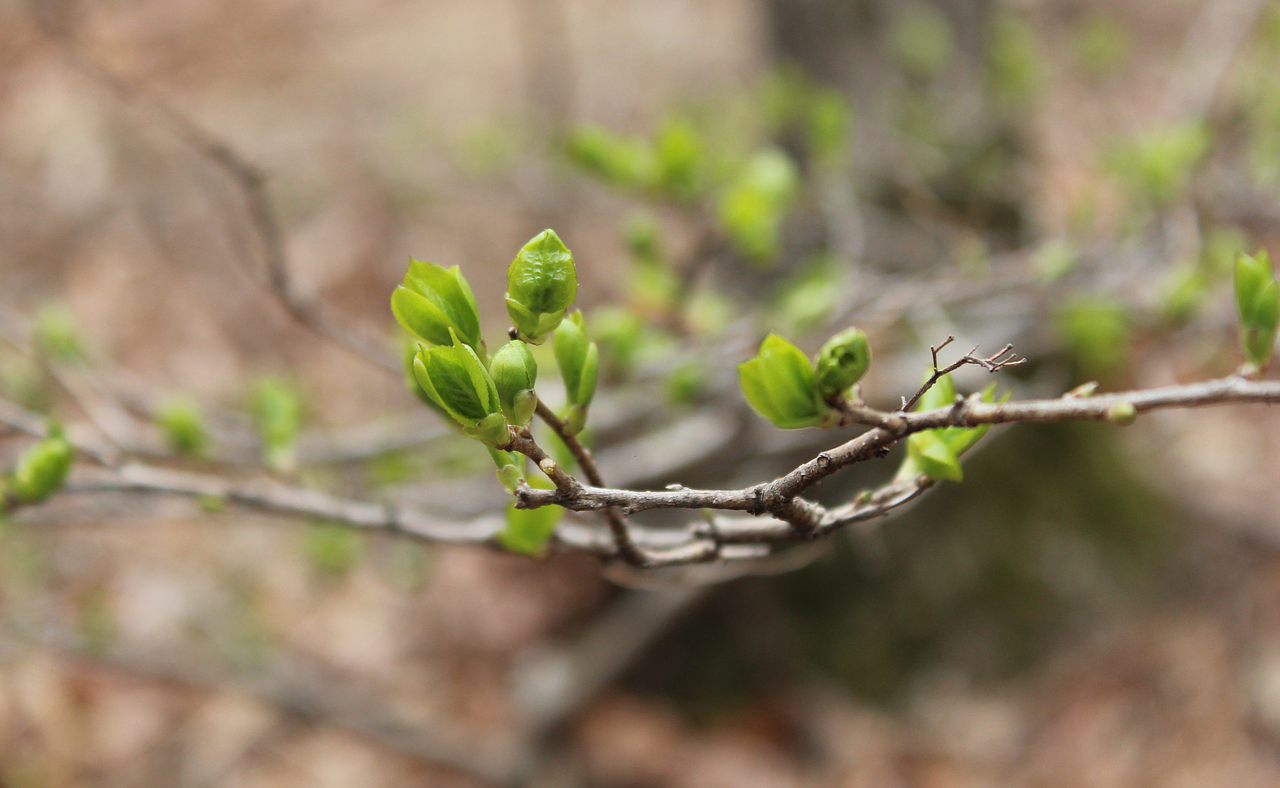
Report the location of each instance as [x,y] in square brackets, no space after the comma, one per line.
[617,522]
[779,497]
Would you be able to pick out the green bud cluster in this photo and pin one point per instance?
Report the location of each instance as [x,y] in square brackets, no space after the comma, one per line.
[784,387]
[1258,298]
[579,362]
[43,468]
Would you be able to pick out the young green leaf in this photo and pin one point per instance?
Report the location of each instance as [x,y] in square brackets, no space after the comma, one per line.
[933,456]
[432,300]
[454,378]
[843,361]
[43,468]
[780,384]
[509,466]
[541,284]
[579,362]
[514,374]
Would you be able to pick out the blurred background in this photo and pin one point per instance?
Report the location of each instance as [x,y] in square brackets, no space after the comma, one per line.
[205,204]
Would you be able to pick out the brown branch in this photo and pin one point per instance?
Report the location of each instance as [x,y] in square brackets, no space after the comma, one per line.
[779,497]
[626,549]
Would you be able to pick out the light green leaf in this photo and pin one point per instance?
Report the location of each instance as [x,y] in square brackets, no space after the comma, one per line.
[780,384]
[933,456]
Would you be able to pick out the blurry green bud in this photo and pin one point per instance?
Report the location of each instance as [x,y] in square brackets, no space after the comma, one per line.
[616,159]
[679,151]
[1097,332]
[933,456]
[56,333]
[830,118]
[641,237]
[922,40]
[1258,298]
[279,415]
[780,384]
[541,284]
[1122,414]
[579,362]
[842,362]
[182,423]
[752,208]
[514,373]
[432,300]
[923,455]
[453,376]
[43,468]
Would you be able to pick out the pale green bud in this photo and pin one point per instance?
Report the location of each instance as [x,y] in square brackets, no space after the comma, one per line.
[843,361]
[541,284]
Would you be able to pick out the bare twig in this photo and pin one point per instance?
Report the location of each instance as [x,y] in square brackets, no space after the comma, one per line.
[994,363]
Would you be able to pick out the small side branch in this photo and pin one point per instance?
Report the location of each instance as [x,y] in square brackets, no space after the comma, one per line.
[994,363]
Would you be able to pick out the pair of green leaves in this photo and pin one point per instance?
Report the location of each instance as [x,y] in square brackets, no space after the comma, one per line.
[936,453]
[456,380]
[1258,298]
[435,304]
[784,387]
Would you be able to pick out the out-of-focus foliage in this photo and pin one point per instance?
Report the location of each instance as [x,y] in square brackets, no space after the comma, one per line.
[1097,332]
[182,422]
[277,407]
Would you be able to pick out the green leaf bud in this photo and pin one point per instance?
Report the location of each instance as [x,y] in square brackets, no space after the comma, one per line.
[843,361]
[1122,414]
[780,384]
[541,284]
[432,300]
[43,468]
[579,362]
[1258,299]
[454,378]
[514,374]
